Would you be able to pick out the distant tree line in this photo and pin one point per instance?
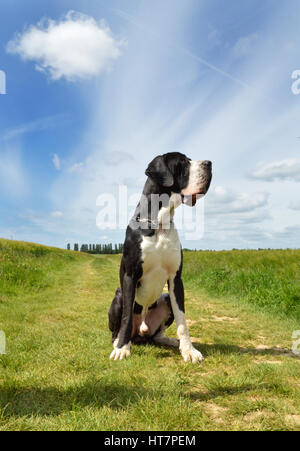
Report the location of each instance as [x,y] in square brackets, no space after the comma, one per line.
[98,248]
[118,249]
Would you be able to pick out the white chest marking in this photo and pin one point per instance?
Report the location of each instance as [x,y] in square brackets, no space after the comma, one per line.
[161,255]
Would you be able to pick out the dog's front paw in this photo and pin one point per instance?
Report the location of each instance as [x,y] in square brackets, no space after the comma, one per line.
[120,353]
[191,354]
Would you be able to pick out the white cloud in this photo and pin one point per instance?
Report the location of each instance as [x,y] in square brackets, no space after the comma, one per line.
[56,161]
[57,214]
[76,47]
[221,200]
[244,45]
[77,167]
[278,170]
[295,205]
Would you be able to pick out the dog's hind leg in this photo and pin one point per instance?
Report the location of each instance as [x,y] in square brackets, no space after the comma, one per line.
[161,339]
[159,319]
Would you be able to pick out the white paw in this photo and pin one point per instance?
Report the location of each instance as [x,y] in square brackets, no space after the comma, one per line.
[191,354]
[120,353]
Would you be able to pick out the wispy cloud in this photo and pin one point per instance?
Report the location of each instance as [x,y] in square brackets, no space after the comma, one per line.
[295,205]
[14,180]
[56,162]
[76,167]
[57,214]
[117,158]
[41,124]
[245,45]
[183,50]
[278,170]
[224,201]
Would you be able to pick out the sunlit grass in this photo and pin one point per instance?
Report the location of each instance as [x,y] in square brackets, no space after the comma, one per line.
[56,374]
[268,279]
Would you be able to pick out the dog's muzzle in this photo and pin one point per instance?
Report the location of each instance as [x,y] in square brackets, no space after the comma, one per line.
[199,182]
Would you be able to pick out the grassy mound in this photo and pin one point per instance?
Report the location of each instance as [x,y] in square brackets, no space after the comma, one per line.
[28,268]
[269,278]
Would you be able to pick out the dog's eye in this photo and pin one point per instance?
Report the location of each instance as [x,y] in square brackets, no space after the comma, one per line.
[185,171]
[182,169]
[179,169]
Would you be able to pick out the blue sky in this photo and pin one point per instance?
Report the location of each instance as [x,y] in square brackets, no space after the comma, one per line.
[95,90]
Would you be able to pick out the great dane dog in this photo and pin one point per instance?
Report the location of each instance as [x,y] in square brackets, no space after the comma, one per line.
[152,257]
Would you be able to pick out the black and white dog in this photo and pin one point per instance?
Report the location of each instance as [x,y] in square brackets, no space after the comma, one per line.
[153,257]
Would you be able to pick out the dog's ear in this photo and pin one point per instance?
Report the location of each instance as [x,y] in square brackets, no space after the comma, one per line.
[160,173]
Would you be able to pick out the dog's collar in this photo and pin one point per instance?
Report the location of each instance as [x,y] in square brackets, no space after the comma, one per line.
[155,225]
[147,220]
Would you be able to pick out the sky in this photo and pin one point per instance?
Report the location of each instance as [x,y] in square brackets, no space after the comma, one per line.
[95,90]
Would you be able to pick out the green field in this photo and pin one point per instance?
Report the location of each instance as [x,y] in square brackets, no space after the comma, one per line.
[242,308]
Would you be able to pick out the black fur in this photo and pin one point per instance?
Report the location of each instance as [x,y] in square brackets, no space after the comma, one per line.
[115,314]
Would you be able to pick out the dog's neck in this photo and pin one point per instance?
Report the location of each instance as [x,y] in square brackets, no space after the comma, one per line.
[158,209]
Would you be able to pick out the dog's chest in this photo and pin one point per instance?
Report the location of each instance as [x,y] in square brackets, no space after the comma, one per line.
[161,255]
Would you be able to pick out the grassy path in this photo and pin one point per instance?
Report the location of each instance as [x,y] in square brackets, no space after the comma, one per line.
[57,375]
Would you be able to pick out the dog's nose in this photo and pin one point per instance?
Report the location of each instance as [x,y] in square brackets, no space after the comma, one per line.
[207,164]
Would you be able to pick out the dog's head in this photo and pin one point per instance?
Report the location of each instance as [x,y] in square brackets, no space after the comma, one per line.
[181,175]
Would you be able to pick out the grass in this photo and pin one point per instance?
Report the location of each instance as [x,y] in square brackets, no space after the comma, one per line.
[267,279]
[56,374]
